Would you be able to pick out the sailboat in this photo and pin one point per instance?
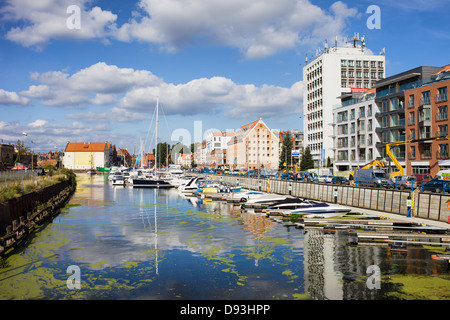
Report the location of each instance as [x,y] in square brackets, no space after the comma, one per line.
[154,181]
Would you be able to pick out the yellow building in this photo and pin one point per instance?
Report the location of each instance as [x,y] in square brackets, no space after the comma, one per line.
[85,156]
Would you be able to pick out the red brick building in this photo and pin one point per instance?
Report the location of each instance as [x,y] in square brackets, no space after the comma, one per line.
[426,114]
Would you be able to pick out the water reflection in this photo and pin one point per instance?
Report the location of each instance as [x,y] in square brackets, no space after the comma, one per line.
[159,244]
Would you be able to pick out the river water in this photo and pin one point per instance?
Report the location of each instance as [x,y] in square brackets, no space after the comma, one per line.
[125,243]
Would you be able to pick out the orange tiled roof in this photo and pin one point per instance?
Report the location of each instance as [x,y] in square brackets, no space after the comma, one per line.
[84,146]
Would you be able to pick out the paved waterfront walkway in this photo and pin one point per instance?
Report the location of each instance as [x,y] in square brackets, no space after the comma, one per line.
[394,216]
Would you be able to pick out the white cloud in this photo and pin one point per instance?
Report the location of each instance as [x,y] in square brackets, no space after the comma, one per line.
[12,98]
[96,84]
[46,20]
[137,90]
[258,28]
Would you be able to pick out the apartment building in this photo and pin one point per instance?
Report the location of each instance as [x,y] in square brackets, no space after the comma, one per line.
[427,118]
[216,148]
[253,146]
[354,128]
[333,72]
[390,100]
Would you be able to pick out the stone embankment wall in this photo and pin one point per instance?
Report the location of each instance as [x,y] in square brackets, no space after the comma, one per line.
[425,205]
[19,216]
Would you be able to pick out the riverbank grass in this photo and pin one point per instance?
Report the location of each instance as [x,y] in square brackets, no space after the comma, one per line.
[15,189]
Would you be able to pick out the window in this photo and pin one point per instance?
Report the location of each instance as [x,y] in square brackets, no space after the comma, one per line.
[351,63]
[411,101]
[380,64]
[442,94]
[412,134]
[443,151]
[343,84]
[362,112]
[412,153]
[343,63]
[425,97]
[412,118]
[424,114]
[442,113]
[358,63]
[443,130]
[372,64]
[343,73]
[425,132]
[426,151]
[366,64]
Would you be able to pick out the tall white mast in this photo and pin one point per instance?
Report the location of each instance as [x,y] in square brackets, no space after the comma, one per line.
[156,138]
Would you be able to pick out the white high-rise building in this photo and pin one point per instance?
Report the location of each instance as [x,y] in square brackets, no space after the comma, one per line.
[333,72]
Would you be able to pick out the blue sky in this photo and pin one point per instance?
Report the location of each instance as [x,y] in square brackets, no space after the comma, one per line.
[220,64]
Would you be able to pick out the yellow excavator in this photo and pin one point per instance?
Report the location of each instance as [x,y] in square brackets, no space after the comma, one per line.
[369,165]
[401,171]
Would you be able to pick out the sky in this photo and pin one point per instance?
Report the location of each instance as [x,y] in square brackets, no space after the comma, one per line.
[93,70]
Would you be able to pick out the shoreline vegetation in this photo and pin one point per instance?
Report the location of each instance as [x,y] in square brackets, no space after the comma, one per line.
[17,188]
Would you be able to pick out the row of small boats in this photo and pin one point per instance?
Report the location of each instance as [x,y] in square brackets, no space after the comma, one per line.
[200,186]
[271,201]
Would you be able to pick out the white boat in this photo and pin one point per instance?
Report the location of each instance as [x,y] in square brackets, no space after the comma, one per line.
[244,195]
[265,198]
[311,208]
[288,204]
[118,180]
[192,185]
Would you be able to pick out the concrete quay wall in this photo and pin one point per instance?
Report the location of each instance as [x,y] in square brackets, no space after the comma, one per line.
[425,205]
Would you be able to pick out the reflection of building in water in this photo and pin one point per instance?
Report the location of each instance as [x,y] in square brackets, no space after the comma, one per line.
[257,225]
[337,271]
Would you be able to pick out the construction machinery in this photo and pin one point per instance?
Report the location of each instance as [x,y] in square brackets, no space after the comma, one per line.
[401,171]
[369,165]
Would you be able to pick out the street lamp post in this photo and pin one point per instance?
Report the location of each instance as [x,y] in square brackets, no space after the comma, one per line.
[32,152]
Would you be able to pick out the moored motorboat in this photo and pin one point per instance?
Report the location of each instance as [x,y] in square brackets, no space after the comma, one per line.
[150,183]
[311,208]
[118,180]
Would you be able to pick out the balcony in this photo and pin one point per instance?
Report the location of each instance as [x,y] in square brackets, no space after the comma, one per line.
[440,97]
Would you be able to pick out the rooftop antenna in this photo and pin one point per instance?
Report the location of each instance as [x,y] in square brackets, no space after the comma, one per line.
[326,46]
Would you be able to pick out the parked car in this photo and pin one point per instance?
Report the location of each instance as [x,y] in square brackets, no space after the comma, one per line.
[325,179]
[437,186]
[405,182]
[423,177]
[340,180]
[288,176]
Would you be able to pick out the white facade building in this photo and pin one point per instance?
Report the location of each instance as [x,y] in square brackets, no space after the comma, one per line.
[331,73]
[354,136]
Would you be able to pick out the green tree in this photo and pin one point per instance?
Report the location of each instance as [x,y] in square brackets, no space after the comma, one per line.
[285,156]
[21,149]
[163,154]
[329,164]
[307,160]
